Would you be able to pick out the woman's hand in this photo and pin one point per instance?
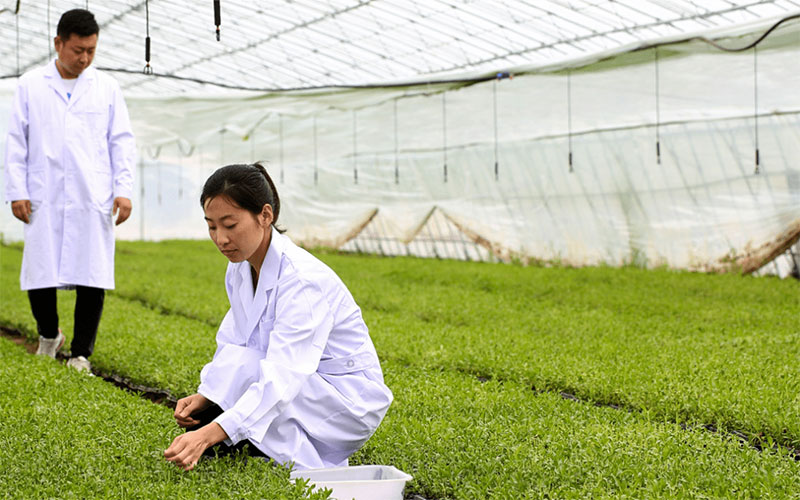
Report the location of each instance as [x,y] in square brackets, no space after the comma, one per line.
[187,449]
[187,406]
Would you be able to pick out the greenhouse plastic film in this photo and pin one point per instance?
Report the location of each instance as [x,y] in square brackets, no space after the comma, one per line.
[553,167]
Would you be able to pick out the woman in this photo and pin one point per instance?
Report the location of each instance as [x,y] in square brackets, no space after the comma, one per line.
[295,374]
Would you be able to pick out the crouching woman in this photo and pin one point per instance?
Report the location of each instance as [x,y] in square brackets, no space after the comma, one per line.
[295,374]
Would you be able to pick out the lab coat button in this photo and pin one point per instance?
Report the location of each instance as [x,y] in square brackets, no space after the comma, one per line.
[350,363]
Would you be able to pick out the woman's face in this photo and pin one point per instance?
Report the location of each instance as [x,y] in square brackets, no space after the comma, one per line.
[236,231]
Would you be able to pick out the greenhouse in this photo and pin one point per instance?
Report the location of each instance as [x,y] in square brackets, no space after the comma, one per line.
[572,228]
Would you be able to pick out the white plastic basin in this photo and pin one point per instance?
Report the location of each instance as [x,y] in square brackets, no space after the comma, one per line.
[359,482]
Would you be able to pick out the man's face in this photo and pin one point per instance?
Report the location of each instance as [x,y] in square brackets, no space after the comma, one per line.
[75,54]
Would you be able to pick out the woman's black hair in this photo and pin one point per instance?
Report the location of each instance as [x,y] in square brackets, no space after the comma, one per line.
[249,186]
[78,21]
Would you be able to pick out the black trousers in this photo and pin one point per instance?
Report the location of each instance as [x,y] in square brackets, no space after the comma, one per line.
[206,417]
[88,309]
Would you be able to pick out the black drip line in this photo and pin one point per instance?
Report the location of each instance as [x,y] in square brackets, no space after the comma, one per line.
[316,173]
[158,182]
[217,17]
[183,154]
[280,144]
[494,107]
[569,119]
[755,107]
[222,145]
[16,19]
[658,111]
[444,134]
[148,70]
[49,39]
[141,194]
[396,147]
[355,147]
[252,138]
[180,174]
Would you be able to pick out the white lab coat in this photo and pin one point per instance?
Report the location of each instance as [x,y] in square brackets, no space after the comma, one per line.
[295,370]
[70,158]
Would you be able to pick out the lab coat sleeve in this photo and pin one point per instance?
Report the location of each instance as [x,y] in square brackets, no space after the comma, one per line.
[226,331]
[209,387]
[17,147]
[303,322]
[121,145]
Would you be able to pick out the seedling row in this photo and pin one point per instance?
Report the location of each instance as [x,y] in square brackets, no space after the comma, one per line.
[691,348]
[459,435]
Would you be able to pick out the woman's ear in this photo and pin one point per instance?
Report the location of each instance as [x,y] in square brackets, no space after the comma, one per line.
[266,214]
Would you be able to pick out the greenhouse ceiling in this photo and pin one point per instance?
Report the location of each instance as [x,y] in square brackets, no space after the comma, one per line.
[290,44]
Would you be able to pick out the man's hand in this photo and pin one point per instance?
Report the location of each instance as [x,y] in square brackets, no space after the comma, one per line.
[22,210]
[187,406]
[187,449]
[124,207]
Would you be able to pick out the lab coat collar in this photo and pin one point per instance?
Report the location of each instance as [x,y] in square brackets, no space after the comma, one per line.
[267,278]
[54,79]
[84,83]
[81,86]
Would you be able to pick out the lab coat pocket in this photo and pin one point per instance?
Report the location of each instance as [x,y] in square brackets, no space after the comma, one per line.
[96,129]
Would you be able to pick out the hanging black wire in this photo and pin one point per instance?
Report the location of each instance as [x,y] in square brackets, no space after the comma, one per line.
[252,138]
[494,110]
[658,111]
[355,147]
[180,174]
[158,182]
[500,76]
[396,148]
[49,38]
[444,134]
[755,106]
[569,118]
[280,143]
[222,145]
[147,69]
[217,17]
[16,18]
[316,172]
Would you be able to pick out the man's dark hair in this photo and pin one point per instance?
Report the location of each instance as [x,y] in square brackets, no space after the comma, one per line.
[78,21]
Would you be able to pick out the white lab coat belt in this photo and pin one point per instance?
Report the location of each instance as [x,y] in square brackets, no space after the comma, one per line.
[356,362]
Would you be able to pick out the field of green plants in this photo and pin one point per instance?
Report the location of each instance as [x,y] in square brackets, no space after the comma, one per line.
[509,382]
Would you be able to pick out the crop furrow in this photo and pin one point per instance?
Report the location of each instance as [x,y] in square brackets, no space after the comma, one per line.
[166,311]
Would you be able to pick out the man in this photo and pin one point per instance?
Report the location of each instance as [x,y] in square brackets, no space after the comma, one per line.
[69,166]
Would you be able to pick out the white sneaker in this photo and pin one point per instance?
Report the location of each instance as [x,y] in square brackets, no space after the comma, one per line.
[49,347]
[81,364]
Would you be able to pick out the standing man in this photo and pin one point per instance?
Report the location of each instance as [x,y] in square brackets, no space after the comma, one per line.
[70,154]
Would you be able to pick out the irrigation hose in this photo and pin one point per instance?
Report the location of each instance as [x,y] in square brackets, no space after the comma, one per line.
[750,45]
